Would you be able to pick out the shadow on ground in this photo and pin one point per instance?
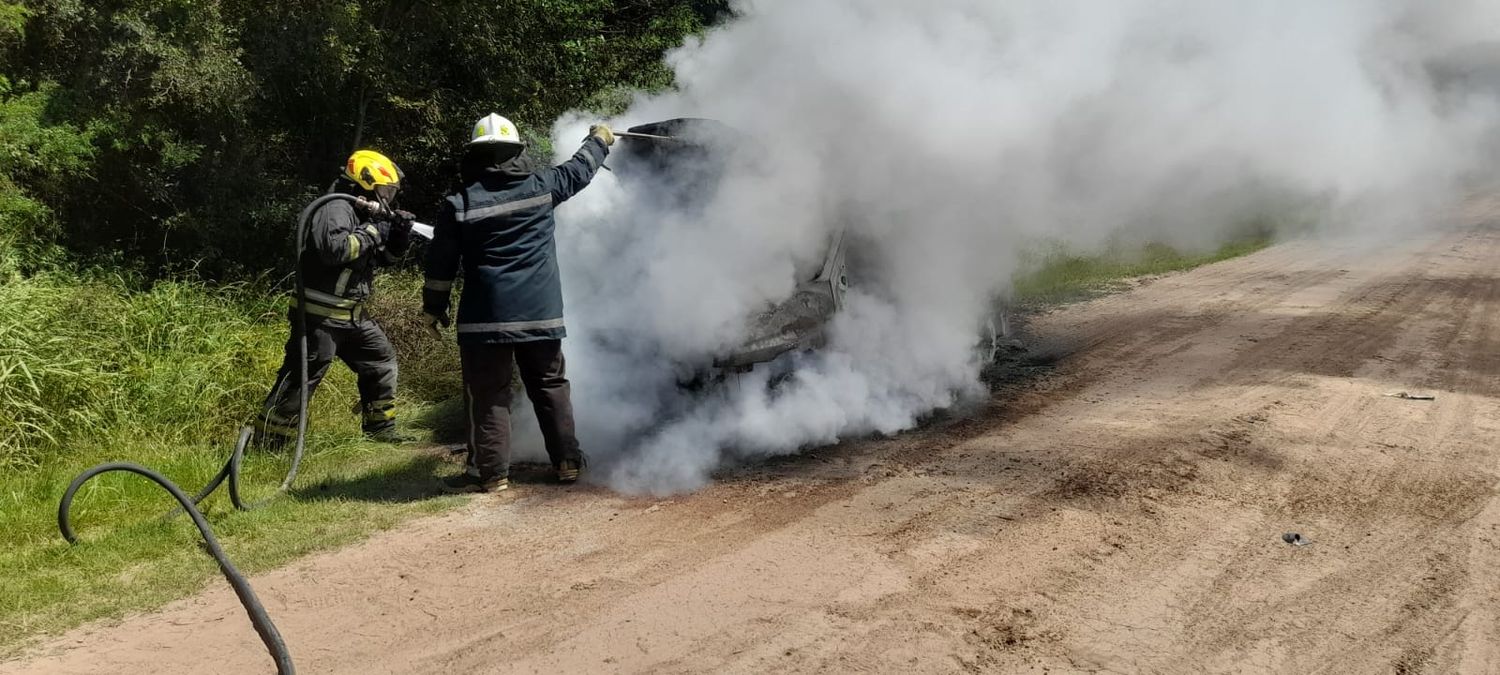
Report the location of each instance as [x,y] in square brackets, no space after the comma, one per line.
[416,480]
[446,420]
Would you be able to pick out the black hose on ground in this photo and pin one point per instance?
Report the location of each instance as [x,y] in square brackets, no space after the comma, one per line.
[258,617]
[231,470]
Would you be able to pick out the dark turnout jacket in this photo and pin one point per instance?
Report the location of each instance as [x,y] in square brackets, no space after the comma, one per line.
[499,229]
[339,259]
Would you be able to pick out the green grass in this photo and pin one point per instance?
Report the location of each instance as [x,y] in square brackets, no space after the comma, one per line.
[93,370]
[1057,276]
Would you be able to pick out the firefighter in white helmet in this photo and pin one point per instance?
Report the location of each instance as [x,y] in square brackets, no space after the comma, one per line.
[497,230]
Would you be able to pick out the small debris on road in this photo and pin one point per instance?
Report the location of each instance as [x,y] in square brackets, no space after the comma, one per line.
[1413,397]
[1295,539]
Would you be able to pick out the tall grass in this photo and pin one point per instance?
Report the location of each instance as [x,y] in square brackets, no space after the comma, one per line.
[100,368]
[429,368]
[82,360]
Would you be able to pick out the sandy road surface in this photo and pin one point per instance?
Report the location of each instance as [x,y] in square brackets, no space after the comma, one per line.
[1122,513]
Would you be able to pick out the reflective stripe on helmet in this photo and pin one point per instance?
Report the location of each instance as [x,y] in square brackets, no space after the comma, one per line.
[369,169]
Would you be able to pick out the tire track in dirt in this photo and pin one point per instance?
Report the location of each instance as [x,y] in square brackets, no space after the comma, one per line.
[1439,494]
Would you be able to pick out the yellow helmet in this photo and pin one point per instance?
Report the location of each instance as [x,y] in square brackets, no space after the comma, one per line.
[370,169]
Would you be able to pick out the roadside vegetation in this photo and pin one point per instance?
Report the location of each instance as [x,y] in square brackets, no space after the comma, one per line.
[97,368]
[1058,275]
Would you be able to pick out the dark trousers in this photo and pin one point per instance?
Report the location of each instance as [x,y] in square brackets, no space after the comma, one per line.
[362,345]
[488,393]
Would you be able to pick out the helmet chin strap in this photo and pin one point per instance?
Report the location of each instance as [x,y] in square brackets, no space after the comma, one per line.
[385,201]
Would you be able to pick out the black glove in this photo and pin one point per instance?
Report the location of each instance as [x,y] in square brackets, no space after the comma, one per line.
[431,321]
[400,236]
[382,231]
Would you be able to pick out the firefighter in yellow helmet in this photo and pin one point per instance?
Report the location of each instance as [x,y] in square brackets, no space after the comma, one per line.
[344,246]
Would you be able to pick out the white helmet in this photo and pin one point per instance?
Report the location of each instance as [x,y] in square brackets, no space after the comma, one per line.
[493,128]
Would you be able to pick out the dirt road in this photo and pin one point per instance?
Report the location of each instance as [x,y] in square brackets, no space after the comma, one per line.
[1121,512]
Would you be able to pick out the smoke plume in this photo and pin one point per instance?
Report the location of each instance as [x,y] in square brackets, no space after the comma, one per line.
[949,134]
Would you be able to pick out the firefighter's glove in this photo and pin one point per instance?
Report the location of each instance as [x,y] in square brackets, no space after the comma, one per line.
[603,133]
[400,234]
[432,322]
[382,231]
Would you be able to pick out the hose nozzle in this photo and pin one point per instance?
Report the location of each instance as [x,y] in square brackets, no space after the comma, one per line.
[374,208]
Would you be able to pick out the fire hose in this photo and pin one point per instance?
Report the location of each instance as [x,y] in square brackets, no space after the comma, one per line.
[231,471]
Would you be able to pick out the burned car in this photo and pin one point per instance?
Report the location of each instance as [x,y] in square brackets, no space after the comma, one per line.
[675,161]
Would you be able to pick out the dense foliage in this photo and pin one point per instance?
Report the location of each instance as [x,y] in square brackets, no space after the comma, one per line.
[174,134]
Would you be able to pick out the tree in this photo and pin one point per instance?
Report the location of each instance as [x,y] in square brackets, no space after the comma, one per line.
[208,123]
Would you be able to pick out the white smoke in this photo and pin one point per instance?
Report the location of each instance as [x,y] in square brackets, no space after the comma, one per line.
[949,133]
